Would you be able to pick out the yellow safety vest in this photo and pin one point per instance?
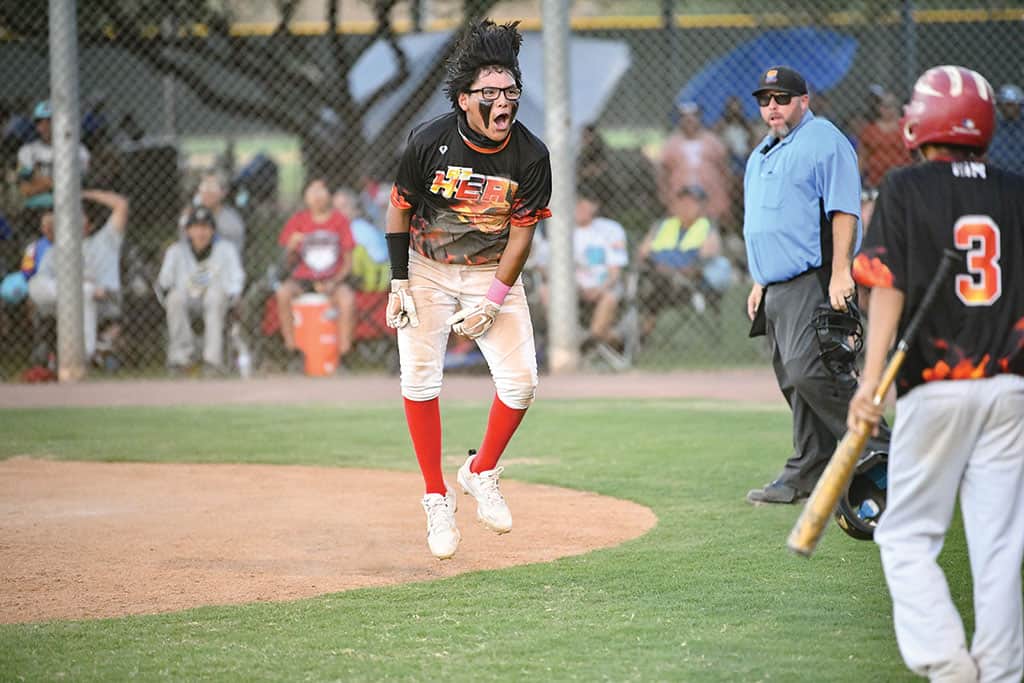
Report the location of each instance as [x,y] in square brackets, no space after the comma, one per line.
[672,237]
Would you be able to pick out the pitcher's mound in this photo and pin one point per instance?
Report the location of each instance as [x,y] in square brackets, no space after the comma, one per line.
[87,540]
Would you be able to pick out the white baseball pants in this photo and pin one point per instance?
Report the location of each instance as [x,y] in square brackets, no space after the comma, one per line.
[950,435]
[440,289]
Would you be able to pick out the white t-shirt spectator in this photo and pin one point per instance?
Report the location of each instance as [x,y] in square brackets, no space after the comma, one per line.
[597,248]
[101,259]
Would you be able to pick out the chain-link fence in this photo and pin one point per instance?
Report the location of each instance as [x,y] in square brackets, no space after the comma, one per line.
[197,103]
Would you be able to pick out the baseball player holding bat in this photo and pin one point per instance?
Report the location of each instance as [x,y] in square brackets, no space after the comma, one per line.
[470,189]
[960,408]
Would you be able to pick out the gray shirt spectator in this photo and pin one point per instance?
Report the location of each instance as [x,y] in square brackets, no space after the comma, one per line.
[202,277]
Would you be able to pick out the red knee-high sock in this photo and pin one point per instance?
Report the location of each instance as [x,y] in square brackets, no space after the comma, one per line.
[424,419]
[501,425]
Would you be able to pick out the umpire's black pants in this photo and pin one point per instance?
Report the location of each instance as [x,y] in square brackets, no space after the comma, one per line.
[818,399]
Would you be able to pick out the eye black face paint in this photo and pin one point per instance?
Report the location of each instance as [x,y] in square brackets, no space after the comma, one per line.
[485,112]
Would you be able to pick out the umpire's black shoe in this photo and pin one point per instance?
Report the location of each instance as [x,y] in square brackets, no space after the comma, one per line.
[776,493]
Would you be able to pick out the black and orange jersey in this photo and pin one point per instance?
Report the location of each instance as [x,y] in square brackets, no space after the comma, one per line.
[465,197]
[975,328]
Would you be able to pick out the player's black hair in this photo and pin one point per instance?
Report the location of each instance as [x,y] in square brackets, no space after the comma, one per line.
[483,44]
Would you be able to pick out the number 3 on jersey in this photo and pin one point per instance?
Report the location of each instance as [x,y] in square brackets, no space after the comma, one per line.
[979,235]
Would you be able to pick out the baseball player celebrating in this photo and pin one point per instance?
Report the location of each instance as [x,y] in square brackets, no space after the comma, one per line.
[470,189]
[960,407]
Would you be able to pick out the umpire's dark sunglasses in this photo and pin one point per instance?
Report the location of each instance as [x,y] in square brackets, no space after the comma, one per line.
[781,98]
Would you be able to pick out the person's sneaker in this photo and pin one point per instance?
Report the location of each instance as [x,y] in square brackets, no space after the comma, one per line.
[491,508]
[777,493]
[442,534]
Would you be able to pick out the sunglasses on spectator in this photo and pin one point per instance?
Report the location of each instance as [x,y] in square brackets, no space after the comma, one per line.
[781,98]
[512,93]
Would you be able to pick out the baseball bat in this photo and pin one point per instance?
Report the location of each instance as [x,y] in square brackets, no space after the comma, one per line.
[821,505]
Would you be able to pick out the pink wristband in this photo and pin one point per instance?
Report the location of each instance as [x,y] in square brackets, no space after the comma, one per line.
[498,291]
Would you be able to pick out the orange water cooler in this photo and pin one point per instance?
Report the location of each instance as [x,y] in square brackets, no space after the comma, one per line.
[316,333]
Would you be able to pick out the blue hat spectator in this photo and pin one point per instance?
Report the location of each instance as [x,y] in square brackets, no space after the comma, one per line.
[42,111]
[1007,147]
[1010,94]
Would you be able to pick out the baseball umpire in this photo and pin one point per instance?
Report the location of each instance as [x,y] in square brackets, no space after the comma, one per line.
[470,189]
[960,408]
[801,226]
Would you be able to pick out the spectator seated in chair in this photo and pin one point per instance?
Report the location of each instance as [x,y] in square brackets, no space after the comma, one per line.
[201,278]
[101,277]
[681,260]
[600,256]
[318,257]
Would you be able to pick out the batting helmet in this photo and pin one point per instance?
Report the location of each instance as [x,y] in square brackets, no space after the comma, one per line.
[951,106]
[840,336]
[861,507]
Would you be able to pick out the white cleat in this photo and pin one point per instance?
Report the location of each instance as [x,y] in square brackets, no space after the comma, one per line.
[491,508]
[442,534]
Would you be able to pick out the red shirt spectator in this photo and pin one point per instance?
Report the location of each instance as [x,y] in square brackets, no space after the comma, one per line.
[322,245]
[881,143]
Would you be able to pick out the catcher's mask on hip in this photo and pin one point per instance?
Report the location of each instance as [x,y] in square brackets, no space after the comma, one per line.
[840,336]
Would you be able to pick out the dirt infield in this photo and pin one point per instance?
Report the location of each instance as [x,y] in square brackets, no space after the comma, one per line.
[91,540]
[88,540]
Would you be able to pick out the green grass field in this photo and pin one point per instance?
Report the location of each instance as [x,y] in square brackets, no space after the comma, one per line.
[710,594]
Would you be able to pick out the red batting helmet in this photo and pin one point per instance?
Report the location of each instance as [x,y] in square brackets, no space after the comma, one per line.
[951,105]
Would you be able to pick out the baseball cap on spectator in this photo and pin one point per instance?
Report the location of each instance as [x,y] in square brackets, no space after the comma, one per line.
[695,191]
[781,79]
[42,111]
[689,107]
[201,215]
[1010,94]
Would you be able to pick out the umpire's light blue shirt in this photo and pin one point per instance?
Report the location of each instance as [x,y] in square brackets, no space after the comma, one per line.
[814,168]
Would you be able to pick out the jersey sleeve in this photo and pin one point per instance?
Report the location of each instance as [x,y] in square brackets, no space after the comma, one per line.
[882,261]
[531,201]
[407,189]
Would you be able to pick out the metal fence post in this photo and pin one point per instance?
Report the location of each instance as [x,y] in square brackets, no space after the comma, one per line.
[563,353]
[67,199]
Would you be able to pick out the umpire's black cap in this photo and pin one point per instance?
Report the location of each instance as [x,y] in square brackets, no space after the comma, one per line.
[781,79]
[201,215]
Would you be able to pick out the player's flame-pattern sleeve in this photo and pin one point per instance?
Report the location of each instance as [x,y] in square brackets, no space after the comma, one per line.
[533,194]
[398,199]
[408,179]
[870,270]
